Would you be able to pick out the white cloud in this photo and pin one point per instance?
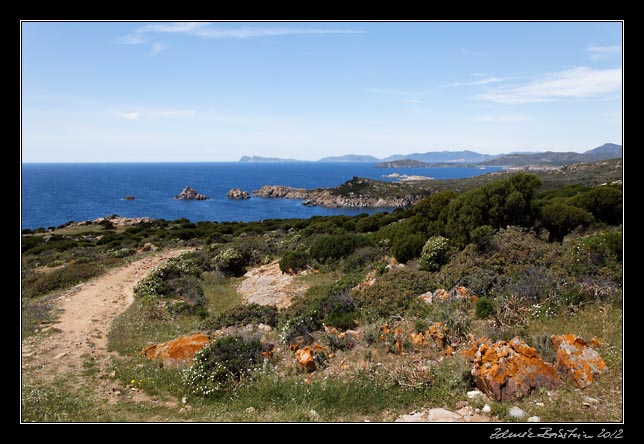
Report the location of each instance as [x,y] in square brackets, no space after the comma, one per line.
[598,52]
[575,83]
[135,115]
[484,81]
[206,30]
[156,48]
[501,118]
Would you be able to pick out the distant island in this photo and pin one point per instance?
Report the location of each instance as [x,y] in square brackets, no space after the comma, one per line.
[403,163]
[267,159]
[469,158]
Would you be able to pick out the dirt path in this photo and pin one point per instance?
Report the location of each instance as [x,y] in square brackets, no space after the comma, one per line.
[86,315]
[267,285]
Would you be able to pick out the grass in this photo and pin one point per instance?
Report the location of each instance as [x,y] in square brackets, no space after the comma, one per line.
[59,401]
[220,292]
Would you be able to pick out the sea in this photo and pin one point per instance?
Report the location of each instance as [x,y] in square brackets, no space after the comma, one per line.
[53,194]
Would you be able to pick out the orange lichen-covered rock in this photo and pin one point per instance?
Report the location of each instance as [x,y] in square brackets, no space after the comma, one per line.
[178,352]
[577,361]
[461,292]
[306,356]
[438,332]
[419,340]
[441,294]
[470,353]
[427,297]
[508,370]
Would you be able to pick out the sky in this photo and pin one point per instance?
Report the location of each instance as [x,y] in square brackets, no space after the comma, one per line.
[215,91]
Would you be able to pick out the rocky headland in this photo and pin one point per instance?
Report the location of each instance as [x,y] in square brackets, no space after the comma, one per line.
[355,193]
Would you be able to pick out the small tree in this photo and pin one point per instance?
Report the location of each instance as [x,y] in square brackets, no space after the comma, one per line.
[561,219]
[434,254]
[407,247]
[293,261]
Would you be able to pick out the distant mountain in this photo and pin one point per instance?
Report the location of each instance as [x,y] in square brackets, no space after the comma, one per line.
[607,149]
[403,163]
[350,158]
[443,156]
[266,159]
[604,152]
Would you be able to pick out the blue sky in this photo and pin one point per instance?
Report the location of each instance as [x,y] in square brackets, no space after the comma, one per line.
[198,91]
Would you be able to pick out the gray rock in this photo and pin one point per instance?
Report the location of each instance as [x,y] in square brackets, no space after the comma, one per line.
[236,193]
[189,194]
[516,412]
[534,419]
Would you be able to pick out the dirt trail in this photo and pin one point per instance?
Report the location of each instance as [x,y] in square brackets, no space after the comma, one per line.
[86,315]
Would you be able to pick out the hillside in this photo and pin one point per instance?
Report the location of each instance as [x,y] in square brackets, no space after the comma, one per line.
[392,316]
[402,163]
[550,158]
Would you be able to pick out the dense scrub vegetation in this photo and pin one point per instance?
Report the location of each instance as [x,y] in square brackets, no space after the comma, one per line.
[528,256]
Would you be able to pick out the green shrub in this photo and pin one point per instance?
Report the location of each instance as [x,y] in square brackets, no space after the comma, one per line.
[395,294]
[223,364]
[334,247]
[434,254]
[604,202]
[482,236]
[229,261]
[71,274]
[484,308]
[561,219]
[359,259]
[294,261]
[241,315]
[407,247]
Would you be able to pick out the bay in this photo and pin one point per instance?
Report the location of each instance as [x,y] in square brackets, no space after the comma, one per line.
[56,193]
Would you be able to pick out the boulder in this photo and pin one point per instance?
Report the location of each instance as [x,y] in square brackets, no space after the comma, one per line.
[178,352]
[508,370]
[189,194]
[577,361]
[441,295]
[236,193]
[438,332]
[426,297]
[309,357]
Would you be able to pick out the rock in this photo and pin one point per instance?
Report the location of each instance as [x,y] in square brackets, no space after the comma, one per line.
[308,355]
[264,328]
[442,415]
[315,416]
[281,191]
[441,295]
[474,394]
[438,332]
[189,194]
[516,412]
[426,297]
[577,361]
[508,370]
[486,408]
[590,400]
[236,193]
[148,246]
[540,404]
[117,220]
[60,355]
[129,197]
[534,419]
[465,414]
[250,410]
[178,352]
[184,400]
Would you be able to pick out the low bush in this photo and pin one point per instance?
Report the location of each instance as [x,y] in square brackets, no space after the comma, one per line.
[408,246]
[223,364]
[435,253]
[484,308]
[294,261]
[243,315]
[334,247]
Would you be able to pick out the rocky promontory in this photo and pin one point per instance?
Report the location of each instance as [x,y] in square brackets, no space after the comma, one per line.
[355,193]
[190,194]
[236,193]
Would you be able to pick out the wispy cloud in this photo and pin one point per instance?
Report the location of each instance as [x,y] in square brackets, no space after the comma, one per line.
[208,31]
[136,115]
[598,52]
[501,118]
[156,48]
[575,83]
[482,81]
[130,115]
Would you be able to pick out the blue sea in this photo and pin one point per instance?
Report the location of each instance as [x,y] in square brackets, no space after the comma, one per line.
[53,194]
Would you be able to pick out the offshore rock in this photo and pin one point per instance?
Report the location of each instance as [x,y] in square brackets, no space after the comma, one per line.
[189,194]
[236,193]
